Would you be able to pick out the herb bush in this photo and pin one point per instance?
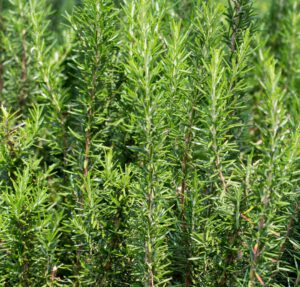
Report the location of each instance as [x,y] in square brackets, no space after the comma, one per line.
[149,143]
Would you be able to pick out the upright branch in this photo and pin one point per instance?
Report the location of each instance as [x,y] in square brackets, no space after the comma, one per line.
[216,104]
[93,20]
[177,75]
[95,31]
[48,59]
[143,91]
[276,159]
[181,104]
[240,17]
[17,52]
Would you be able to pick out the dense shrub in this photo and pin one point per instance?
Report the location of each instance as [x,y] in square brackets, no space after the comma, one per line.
[149,143]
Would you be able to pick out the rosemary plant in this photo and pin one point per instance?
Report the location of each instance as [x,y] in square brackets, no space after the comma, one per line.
[149,143]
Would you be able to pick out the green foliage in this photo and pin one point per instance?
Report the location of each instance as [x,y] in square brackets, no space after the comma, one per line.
[149,143]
